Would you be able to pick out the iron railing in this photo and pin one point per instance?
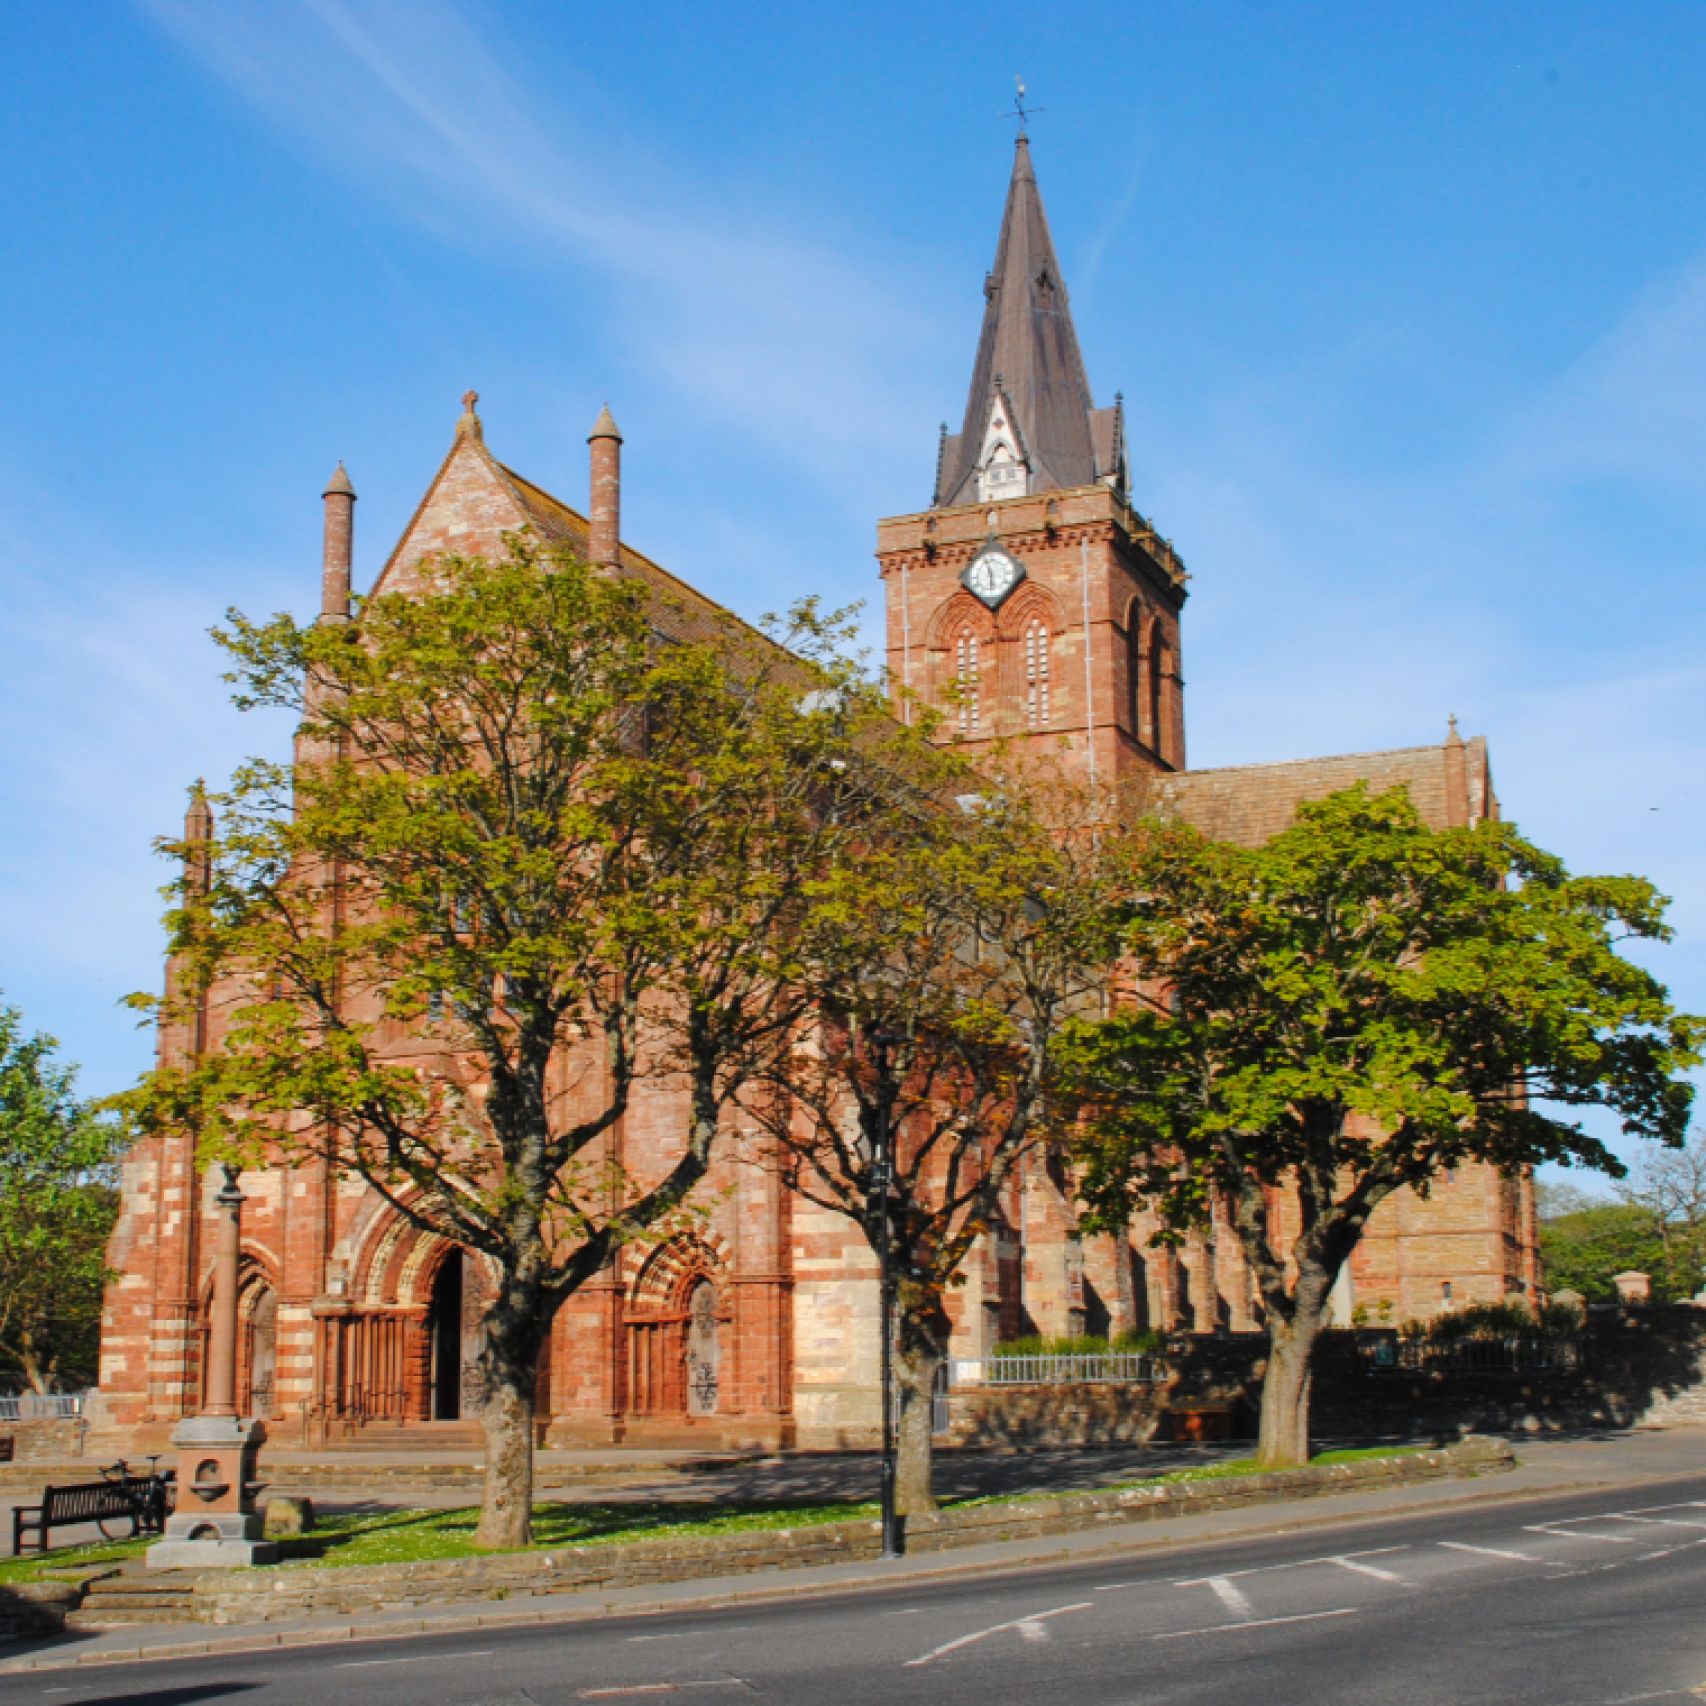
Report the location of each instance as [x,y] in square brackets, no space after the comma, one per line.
[42,1406]
[1516,1354]
[1124,1367]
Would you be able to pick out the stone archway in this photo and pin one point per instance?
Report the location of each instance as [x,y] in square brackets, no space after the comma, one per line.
[674,1324]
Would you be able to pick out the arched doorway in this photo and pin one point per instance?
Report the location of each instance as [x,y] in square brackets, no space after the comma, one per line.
[674,1323]
[259,1352]
[457,1334]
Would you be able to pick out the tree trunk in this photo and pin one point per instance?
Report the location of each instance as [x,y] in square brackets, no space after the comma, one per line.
[923,1345]
[510,1363]
[1284,1437]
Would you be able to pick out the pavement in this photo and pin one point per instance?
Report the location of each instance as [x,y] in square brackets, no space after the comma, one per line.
[1574,1581]
[1620,1466]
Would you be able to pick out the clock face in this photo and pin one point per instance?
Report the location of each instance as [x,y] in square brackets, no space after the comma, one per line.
[992,574]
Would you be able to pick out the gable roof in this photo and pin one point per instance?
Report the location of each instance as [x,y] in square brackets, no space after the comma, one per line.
[474,499]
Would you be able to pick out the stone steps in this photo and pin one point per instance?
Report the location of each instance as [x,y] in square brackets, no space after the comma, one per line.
[134,1595]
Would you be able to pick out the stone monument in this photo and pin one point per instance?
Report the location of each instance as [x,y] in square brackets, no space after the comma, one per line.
[216,1522]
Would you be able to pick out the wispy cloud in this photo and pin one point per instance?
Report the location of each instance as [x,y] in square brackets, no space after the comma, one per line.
[773,323]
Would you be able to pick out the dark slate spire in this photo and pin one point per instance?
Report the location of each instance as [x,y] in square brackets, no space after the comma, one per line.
[1028,360]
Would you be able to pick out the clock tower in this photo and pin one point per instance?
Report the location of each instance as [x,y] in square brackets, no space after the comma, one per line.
[1031,600]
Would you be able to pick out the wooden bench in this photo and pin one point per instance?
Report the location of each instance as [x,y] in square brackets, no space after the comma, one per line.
[88,1501]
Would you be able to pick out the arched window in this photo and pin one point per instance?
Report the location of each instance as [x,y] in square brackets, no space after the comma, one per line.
[1159,661]
[1134,687]
[1036,646]
[967,681]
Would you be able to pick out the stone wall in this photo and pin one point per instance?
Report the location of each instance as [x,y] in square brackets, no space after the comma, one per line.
[1641,1365]
[270,1595]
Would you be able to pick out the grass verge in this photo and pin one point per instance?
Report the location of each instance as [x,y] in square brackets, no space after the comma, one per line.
[417,1536]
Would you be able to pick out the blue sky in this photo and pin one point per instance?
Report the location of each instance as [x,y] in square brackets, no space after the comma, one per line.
[1408,305]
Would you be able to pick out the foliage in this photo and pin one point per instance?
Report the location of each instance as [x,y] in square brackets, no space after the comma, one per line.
[1352,1009]
[1133,1342]
[1501,1321]
[1583,1252]
[58,1200]
[944,955]
[530,852]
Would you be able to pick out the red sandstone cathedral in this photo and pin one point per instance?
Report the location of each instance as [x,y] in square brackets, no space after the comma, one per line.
[1033,588]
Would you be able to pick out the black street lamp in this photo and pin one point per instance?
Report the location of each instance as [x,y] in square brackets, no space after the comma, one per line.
[882,1045]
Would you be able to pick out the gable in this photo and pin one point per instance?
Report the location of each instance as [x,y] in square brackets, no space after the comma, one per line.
[467,510]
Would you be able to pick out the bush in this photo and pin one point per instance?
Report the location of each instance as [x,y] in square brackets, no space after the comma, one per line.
[1500,1321]
[1131,1342]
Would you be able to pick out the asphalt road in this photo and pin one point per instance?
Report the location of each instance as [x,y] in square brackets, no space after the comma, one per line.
[1588,1600]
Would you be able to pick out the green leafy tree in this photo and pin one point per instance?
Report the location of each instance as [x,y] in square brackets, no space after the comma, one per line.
[58,1199]
[1586,1249]
[530,851]
[1350,1010]
[944,954]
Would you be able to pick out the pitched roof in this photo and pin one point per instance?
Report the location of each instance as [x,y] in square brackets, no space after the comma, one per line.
[1029,350]
[474,499]
[1249,803]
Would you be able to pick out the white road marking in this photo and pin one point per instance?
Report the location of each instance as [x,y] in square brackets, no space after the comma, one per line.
[688,1634]
[1557,1532]
[1232,1598]
[1350,1562]
[1259,1623]
[1656,1521]
[1032,1630]
[413,1659]
[1035,1617]
[1491,1552]
[630,1688]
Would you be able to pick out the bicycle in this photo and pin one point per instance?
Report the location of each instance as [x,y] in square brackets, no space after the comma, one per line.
[152,1497]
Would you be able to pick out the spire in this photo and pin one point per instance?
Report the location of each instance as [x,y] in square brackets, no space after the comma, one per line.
[604,426]
[198,815]
[1029,367]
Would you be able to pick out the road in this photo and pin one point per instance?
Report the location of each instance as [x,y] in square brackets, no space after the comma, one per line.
[1586,1600]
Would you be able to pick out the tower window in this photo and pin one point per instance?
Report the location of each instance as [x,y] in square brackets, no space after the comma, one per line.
[967,676]
[1036,674]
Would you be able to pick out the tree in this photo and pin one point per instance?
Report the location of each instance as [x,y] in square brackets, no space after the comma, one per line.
[1669,1186]
[944,955]
[1350,1010]
[58,1199]
[1585,1249]
[536,844]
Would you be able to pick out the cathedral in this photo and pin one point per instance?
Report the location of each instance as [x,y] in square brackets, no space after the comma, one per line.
[1036,600]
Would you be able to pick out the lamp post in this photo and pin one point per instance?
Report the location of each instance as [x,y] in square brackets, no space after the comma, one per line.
[882,1045]
[215,1521]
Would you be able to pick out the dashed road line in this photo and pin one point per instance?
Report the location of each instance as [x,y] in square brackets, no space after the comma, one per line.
[1557,1532]
[412,1659]
[1257,1623]
[1349,1562]
[1232,1598]
[1490,1551]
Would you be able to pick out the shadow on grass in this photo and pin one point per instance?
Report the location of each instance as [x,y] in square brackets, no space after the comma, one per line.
[414,1536]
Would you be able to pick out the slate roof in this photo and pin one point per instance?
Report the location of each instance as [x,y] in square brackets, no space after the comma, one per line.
[1029,349]
[1249,803]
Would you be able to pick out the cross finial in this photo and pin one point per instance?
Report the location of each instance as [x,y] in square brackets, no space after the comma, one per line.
[1020,110]
[469,399]
[468,425]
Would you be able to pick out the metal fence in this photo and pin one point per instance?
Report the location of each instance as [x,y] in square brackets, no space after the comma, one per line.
[42,1406]
[1125,1367]
[1517,1354]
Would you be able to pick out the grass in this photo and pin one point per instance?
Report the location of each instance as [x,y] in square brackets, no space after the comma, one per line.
[417,1536]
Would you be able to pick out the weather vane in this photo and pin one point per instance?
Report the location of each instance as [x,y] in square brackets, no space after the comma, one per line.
[1020,110]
